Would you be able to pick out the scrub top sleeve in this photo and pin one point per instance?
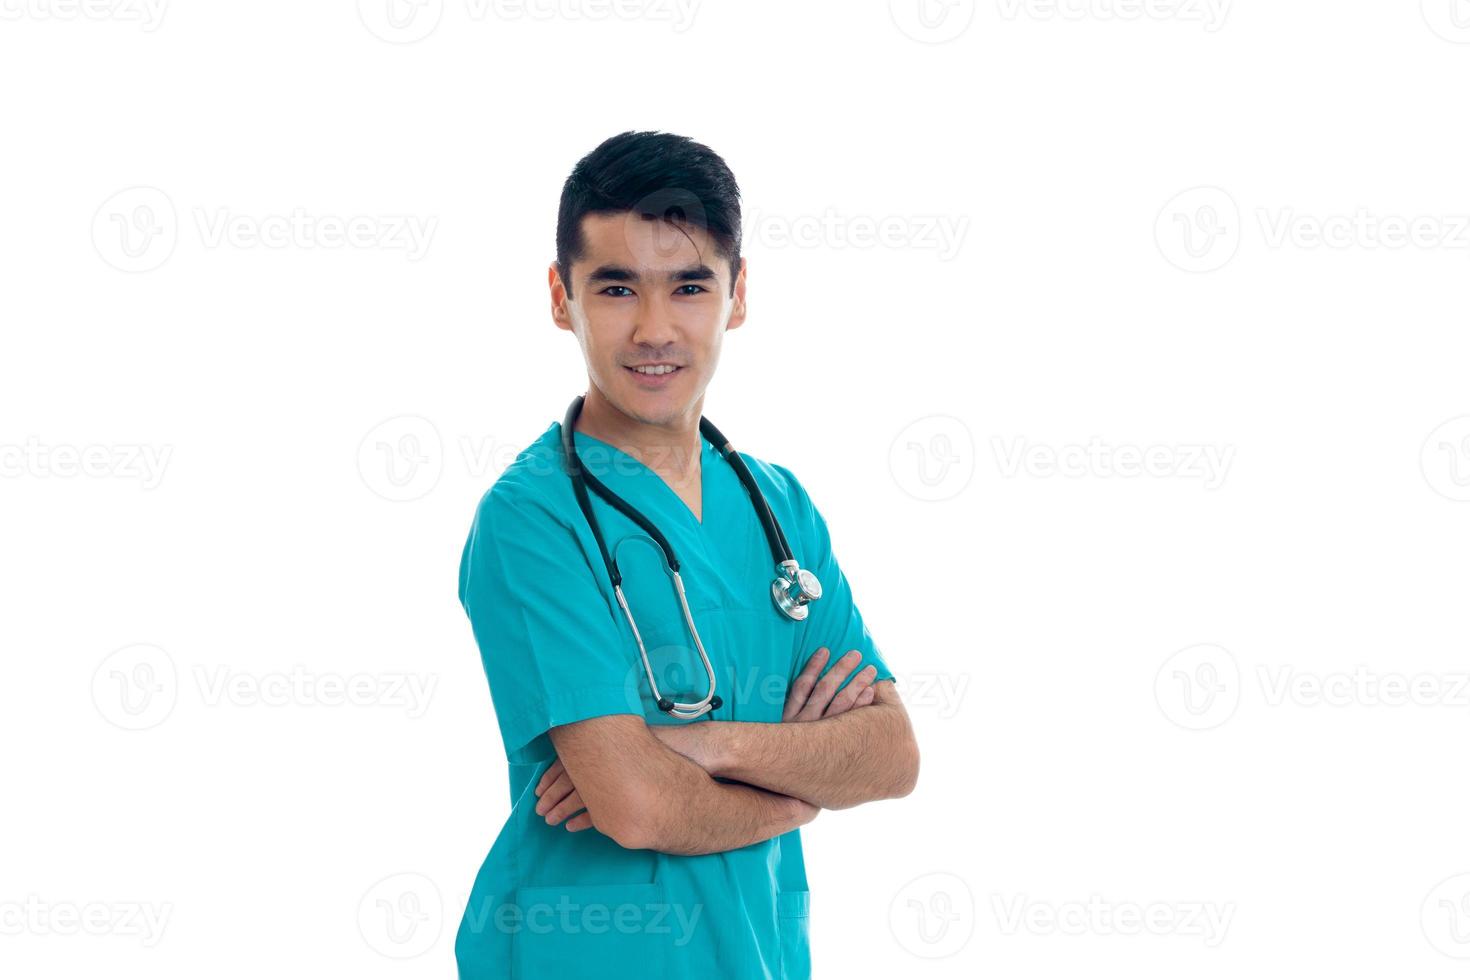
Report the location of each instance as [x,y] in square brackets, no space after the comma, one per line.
[834,621]
[551,646]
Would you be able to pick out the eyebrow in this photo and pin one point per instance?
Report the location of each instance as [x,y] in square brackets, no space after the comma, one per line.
[620,274]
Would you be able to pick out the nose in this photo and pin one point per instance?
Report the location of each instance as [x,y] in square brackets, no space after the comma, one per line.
[655,323]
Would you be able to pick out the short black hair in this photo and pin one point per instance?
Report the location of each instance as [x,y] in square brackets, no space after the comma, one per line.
[658,175]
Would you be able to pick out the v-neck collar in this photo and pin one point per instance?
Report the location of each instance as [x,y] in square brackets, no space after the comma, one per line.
[706,451]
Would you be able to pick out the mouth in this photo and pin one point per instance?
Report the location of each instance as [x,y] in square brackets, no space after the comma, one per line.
[653,375]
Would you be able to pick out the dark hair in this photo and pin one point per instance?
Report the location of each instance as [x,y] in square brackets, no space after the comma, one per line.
[659,176]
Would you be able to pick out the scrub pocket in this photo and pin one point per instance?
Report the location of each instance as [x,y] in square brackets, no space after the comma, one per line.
[792,920]
[592,931]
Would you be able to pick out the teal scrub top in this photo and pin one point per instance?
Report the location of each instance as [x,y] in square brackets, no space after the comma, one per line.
[557,649]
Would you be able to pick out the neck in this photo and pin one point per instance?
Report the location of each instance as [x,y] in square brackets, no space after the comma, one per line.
[671,451]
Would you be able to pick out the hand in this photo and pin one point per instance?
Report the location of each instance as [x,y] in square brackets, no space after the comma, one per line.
[559,799]
[810,699]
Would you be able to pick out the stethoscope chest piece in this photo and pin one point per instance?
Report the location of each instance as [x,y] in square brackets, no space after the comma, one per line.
[793,589]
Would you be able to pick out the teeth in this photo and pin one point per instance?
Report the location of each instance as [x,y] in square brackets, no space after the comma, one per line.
[656,369]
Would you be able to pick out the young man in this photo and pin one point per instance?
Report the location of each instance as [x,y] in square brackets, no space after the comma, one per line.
[655,835]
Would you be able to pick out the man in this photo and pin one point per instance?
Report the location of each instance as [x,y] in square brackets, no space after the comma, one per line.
[643,843]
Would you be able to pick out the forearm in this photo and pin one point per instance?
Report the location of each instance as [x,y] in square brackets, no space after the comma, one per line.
[694,814]
[863,755]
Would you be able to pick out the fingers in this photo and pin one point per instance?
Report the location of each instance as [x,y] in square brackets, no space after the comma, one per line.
[571,805]
[866,697]
[555,794]
[821,695]
[549,776]
[849,695]
[801,688]
[581,821]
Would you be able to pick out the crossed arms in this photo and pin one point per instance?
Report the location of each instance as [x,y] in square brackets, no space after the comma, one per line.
[831,750]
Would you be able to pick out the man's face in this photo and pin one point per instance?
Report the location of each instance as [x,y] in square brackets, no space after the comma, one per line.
[650,306]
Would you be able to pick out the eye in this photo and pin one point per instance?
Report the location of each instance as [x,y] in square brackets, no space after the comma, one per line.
[625,291]
[690,285]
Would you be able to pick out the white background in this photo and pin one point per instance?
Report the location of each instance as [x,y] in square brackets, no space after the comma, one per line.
[1171,694]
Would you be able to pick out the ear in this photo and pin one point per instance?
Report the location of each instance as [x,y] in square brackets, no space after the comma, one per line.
[737,312]
[560,315]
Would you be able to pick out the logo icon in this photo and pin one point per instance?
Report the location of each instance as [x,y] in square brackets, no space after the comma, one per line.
[1445,916]
[400,21]
[1199,229]
[933,916]
[401,916]
[1198,687]
[1445,459]
[135,230]
[932,21]
[401,459]
[1450,19]
[136,687]
[933,458]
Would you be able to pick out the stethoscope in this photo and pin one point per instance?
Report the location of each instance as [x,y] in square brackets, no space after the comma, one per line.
[793,588]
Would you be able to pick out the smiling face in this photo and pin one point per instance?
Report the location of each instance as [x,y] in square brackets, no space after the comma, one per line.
[650,305]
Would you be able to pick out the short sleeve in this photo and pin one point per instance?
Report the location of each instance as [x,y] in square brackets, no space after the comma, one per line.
[834,621]
[548,635]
